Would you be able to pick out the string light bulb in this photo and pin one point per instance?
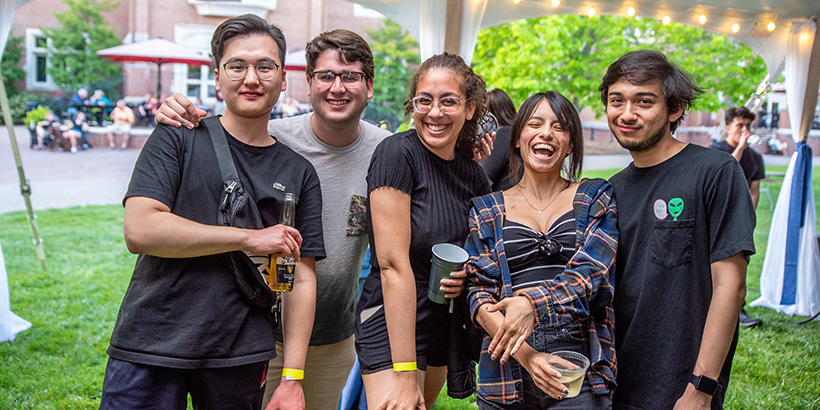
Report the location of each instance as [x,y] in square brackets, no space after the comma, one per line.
[735,28]
[556,3]
[771,26]
[666,20]
[630,11]
[702,19]
[591,12]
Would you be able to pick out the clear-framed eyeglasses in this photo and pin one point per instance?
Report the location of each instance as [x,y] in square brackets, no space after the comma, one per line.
[447,105]
[237,70]
[350,79]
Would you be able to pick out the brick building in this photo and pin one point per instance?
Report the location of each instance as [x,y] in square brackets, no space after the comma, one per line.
[189,23]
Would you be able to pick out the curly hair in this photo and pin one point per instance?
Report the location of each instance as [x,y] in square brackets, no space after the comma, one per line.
[473,87]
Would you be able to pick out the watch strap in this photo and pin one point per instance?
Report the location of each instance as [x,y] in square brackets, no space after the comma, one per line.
[705,384]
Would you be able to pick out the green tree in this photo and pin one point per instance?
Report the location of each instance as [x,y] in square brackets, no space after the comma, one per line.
[570,54]
[396,57]
[9,64]
[72,47]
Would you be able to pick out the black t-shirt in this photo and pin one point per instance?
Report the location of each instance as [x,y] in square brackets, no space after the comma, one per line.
[497,165]
[751,161]
[440,192]
[188,312]
[675,219]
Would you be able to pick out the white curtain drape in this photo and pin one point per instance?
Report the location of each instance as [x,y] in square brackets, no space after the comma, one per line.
[433,25]
[6,14]
[470,25]
[790,280]
[798,55]
[10,324]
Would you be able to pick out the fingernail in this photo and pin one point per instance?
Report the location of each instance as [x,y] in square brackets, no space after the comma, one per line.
[566,392]
[512,353]
[441,288]
[442,281]
[486,308]
[452,274]
[503,361]
[190,126]
[490,351]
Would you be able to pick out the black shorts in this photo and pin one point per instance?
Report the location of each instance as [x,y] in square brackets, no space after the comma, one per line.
[373,343]
[137,386]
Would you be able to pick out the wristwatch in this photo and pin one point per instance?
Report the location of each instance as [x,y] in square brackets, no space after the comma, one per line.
[705,384]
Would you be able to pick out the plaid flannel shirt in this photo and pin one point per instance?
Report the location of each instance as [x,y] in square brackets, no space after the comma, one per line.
[582,293]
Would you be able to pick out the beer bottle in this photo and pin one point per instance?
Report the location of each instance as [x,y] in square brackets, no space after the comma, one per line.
[282,278]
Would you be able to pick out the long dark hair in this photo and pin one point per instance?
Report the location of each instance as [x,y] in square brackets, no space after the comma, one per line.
[501,105]
[569,120]
[474,88]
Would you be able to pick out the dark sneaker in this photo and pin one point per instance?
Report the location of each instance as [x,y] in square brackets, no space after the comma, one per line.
[748,321]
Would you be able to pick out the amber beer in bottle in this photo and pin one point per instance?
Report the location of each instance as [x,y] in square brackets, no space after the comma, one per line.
[282,278]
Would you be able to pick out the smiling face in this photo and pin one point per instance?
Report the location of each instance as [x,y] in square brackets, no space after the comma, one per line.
[336,104]
[250,97]
[439,131]
[638,115]
[544,142]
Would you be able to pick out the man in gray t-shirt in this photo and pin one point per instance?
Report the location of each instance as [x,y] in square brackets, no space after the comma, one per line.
[339,145]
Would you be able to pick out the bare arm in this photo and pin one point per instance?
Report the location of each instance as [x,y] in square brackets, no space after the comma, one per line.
[754,189]
[390,213]
[299,307]
[150,228]
[741,145]
[728,292]
[177,110]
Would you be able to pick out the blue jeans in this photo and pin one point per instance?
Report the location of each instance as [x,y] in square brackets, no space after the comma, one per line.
[551,338]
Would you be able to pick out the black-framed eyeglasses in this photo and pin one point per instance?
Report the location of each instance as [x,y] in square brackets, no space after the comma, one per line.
[447,105]
[237,70]
[350,79]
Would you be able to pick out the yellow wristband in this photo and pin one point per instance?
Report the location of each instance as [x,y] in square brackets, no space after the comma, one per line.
[404,367]
[293,374]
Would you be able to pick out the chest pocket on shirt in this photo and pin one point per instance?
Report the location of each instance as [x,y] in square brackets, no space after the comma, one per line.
[357,216]
[671,242]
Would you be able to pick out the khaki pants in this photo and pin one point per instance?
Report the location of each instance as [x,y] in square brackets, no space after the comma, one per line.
[326,371]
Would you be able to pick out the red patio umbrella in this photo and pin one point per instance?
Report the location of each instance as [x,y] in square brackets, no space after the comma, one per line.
[157,51]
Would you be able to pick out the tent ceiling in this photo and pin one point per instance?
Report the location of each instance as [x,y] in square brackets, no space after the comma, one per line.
[752,16]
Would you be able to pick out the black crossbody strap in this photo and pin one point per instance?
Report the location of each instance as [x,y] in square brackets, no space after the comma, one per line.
[223,152]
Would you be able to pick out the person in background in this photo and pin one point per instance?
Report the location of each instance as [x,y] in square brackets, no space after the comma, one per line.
[420,183]
[43,129]
[77,102]
[544,252]
[686,225]
[497,165]
[739,127]
[123,118]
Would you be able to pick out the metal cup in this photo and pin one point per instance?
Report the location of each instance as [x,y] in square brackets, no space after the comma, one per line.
[446,258]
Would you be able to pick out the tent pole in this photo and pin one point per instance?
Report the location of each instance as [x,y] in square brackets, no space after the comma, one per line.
[159,78]
[25,188]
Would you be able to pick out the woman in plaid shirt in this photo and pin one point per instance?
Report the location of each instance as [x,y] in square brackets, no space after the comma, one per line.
[543,252]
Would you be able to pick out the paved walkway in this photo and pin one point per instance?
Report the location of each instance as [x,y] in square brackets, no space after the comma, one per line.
[100,176]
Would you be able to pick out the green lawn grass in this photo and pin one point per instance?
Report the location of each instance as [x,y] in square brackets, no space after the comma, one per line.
[59,363]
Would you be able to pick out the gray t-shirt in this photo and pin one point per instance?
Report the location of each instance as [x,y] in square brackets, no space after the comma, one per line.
[342,173]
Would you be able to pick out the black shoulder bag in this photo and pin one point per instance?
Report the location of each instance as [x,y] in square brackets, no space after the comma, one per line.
[237,208]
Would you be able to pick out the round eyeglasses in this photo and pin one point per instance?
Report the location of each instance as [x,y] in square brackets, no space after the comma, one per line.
[350,79]
[447,105]
[237,70]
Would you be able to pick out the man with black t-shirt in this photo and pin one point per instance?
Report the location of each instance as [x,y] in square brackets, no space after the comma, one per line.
[686,221]
[185,326]
[739,128]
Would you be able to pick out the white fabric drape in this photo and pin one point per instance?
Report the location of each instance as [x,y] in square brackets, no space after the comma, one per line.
[6,14]
[793,233]
[10,324]
[798,55]
[433,25]
[470,25]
